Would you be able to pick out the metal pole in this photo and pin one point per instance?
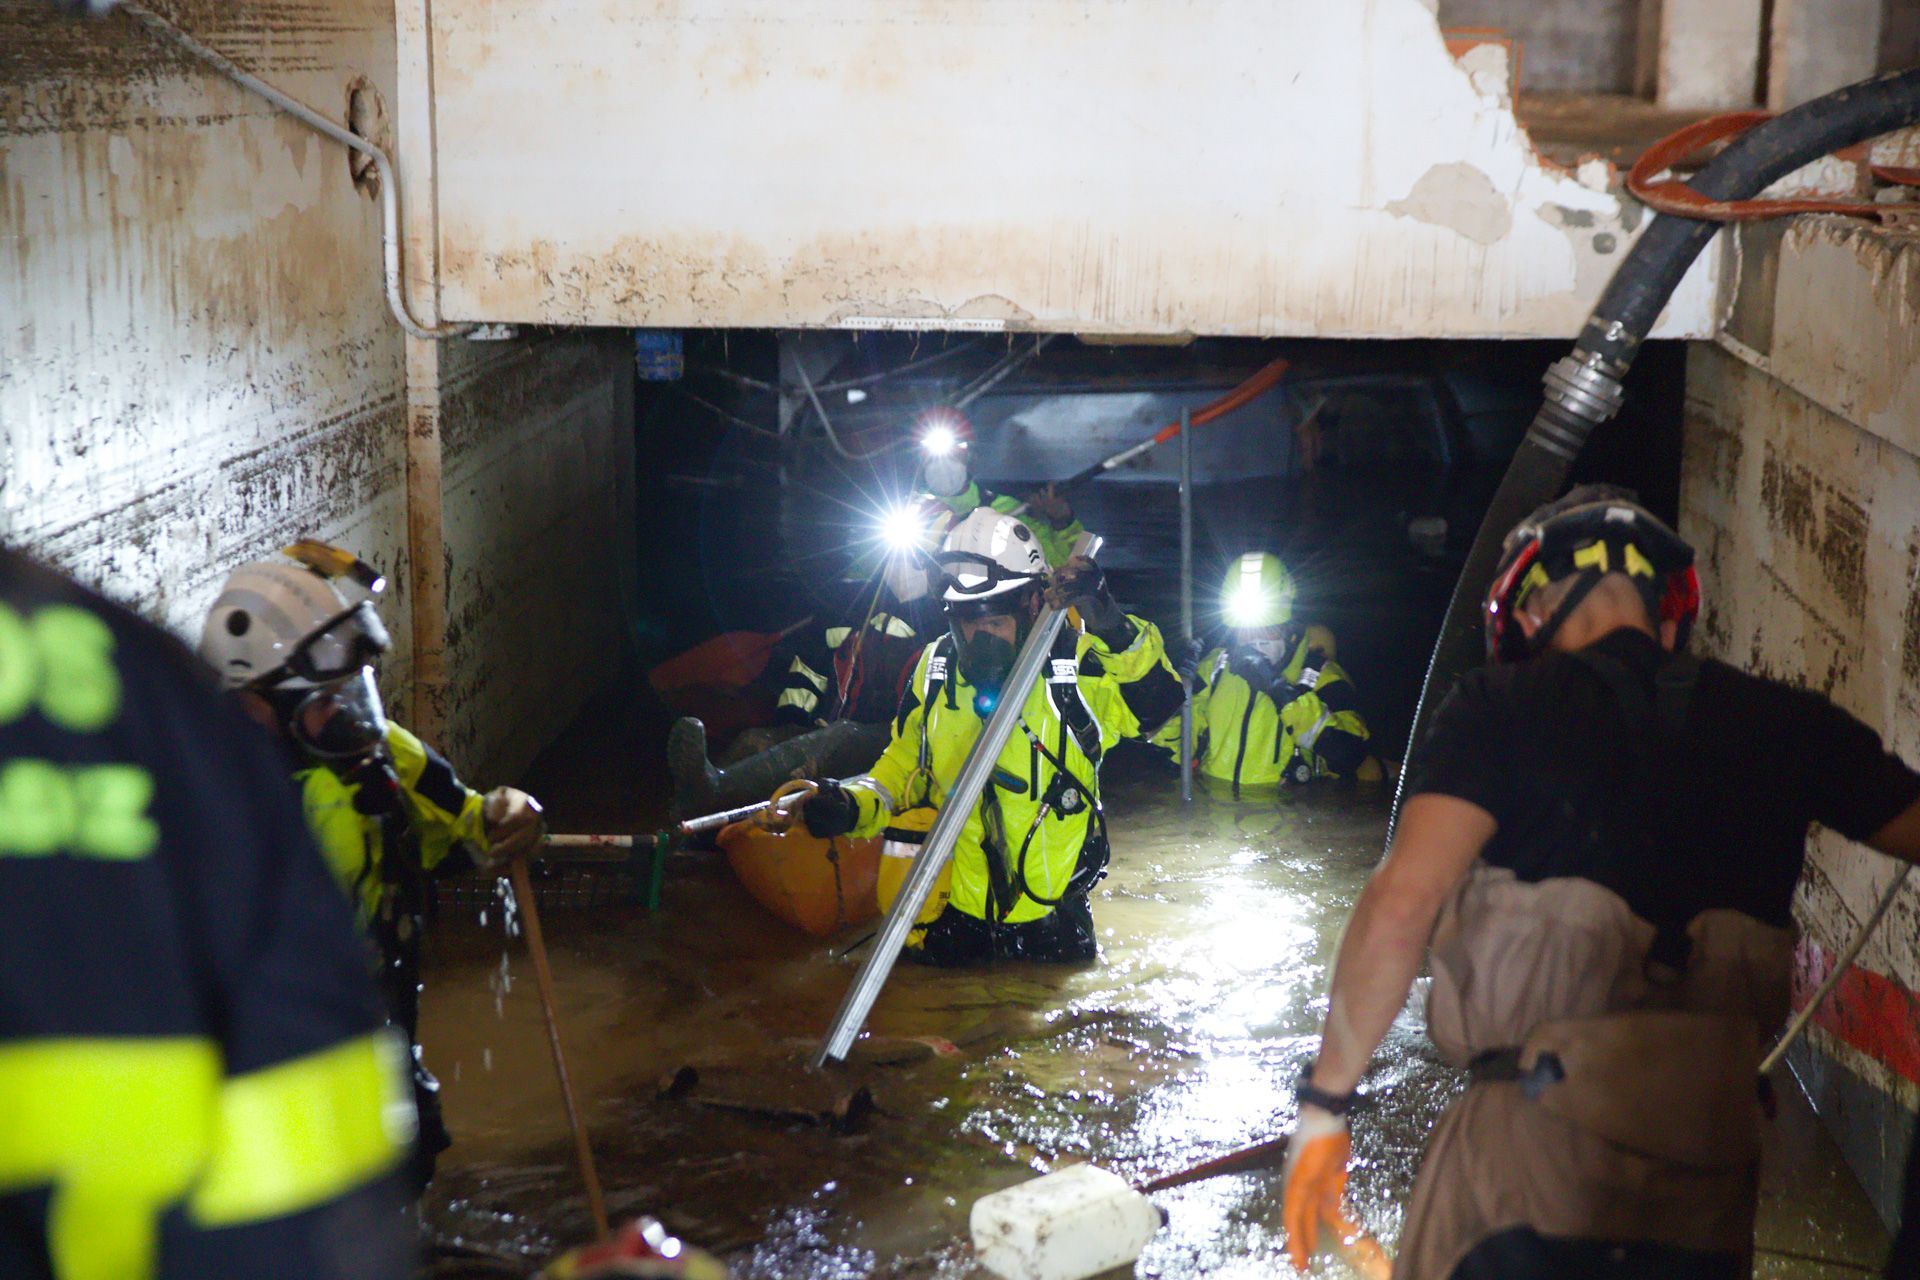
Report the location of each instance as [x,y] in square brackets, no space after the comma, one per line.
[1186,603]
[945,832]
[1839,971]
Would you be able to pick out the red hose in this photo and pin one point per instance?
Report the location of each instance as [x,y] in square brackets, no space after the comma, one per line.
[1675,197]
[1267,378]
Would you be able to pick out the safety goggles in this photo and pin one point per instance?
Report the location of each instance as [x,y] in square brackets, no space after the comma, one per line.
[341,720]
[990,577]
[345,643]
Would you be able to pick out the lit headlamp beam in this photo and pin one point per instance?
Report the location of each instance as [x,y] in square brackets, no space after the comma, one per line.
[901,528]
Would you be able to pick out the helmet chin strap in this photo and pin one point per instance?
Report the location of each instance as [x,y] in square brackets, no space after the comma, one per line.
[1588,580]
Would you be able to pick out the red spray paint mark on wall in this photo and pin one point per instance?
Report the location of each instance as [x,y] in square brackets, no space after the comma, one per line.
[1867,1010]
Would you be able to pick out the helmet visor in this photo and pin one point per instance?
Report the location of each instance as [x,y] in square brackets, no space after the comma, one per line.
[970,576]
[347,642]
[342,719]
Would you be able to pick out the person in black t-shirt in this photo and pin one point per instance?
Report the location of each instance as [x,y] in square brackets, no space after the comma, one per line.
[1601,840]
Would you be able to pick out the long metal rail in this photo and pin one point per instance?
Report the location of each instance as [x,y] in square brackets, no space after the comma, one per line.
[1186,605]
[933,855]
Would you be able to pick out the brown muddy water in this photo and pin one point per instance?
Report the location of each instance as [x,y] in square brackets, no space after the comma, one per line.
[1216,924]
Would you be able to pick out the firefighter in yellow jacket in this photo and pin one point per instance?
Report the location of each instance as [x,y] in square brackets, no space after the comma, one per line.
[194,1081]
[298,640]
[1272,703]
[1035,843]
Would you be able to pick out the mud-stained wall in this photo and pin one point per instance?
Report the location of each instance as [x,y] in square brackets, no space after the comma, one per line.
[539,535]
[1288,167]
[197,364]
[1801,487]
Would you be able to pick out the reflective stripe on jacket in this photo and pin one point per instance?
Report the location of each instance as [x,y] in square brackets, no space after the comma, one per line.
[1071,715]
[847,676]
[188,1035]
[1241,737]
[442,813]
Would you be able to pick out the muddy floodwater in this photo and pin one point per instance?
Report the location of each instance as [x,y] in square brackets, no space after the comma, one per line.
[1217,925]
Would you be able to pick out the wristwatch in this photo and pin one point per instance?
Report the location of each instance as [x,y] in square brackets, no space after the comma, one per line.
[1337,1104]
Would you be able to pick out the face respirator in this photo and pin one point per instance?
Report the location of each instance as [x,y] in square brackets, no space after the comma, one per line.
[1270,649]
[946,476]
[985,661]
[343,725]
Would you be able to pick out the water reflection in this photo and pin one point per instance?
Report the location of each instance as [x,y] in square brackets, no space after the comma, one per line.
[1216,926]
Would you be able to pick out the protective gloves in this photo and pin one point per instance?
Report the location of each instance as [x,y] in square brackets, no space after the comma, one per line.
[1187,659]
[1316,1184]
[1081,584]
[514,826]
[1254,669]
[830,811]
[1050,506]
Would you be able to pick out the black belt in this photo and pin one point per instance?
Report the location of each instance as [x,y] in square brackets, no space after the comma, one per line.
[1502,1066]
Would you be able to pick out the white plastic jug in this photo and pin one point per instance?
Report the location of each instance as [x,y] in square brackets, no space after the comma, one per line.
[1074,1223]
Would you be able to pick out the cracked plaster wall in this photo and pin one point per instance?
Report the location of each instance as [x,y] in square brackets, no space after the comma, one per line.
[1284,167]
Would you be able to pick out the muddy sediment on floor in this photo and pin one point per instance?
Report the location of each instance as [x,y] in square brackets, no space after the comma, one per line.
[689,1030]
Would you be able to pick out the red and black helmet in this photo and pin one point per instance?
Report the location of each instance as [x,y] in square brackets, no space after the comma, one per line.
[1593,531]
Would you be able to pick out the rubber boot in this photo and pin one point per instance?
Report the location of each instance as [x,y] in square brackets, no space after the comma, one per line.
[696,783]
[756,778]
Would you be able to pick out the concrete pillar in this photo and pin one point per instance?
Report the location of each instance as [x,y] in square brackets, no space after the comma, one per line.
[429,708]
[1818,46]
[426,587]
[1700,55]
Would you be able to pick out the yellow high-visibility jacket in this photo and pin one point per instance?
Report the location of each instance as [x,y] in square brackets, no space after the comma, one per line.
[442,814]
[1070,717]
[1242,738]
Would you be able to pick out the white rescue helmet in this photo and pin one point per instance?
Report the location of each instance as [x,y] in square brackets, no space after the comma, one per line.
[990,554]
[297,623]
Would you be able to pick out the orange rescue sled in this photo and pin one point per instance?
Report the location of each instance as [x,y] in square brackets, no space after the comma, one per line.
[820,886]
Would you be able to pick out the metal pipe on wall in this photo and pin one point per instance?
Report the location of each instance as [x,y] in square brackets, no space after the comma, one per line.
[389,174]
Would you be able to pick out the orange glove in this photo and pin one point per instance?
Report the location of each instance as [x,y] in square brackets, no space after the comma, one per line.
[1316,1184]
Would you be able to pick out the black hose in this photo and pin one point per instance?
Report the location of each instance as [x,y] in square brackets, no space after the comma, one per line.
[1583,389]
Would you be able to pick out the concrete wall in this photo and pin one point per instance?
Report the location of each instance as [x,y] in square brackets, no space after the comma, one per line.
[539,534]
[197,365]
[1801,486]
[1286,167]
[1568,46]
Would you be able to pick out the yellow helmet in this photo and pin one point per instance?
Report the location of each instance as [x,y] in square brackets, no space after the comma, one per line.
[1258,592]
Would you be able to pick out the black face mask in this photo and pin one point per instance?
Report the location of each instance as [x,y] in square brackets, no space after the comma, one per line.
[985,661]
[378,785]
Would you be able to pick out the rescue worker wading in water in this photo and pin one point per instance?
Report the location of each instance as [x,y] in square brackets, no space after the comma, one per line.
[1036,842]
[297,643]
[1272,704]
[1601,839]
